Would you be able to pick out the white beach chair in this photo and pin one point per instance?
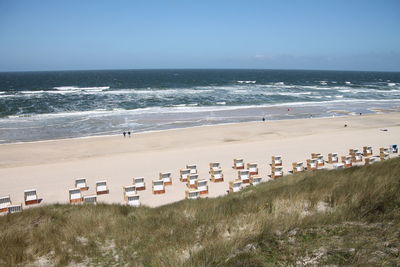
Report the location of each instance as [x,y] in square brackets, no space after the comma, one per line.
[4,203]
[333,158]
[297,167]
[81,184]
[14,208]
[347,161]
[192,168]
[276,161]
[75,196]
[338,166]
[367,151]
[139,183]
[235,186]
[133,201]
[202,186]
[192,194]
[191,182]
[217,176]
[91,199]
[255,180]
[356,155]
[312,164]
[253,168]
[184,175]
[215,166]
[238,164]
[158,187]
[166,177]
[244,176]
[129,190]
[394,149]
[370,160]
[276,172]
[30,197]
[101,187]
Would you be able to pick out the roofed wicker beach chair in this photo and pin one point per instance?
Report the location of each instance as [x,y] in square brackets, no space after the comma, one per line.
[384,153]
[276,172]
[276,161]
[75,196]
[394,149]
[244,176]
[14,208]
[217,176]
[139,183]
[215,166]
[238,164]
[312,164]
[184,173]
[192,194]
[235,186]
[347,161]
[81,184]
[333,158]
[367,151]
[202,186]
[319,158]
[30,197]
[158,187]
[166,177]
[129,190]
[192,168]
[253,168]
[101,187]
[297,167]
[255,180]
[191,182]
[91,199]
[356,155]
[133,201]
[370,160]
[4,203]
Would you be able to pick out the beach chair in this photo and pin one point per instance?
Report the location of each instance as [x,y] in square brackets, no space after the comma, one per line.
[192,168]
[192,194]
[184,175]
[297,167]
[333,158]
[356,155]
[191,182]
[319,158]
[14,208]
[217,176]
[158,187]
[347,161]
[253,168]
[215,166]
[75,196]
[166,177]
[81,184]
[255,180]
[312,164]
[30,197]
[235,186]
[276,161]
[244,176]
[91,199]
[129,190]
[238,164]
[367,151]
[4,203]
[101,187]
[133,200]
[370,160]
[384,153]
[276,172]
[202,186]
[394,149]
[139,183]
[338,166]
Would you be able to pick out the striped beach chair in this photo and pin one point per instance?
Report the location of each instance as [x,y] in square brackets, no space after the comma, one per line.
[217,176]
[139,183]
[276,161]
[30,197]
[91,199]
[81,184]
[202,186]
[192,168]
[101,187]
[244,176]
[253,168]
[166,177]
[4,203]
[238,164]
[158,187]
[75,196]
[133,200]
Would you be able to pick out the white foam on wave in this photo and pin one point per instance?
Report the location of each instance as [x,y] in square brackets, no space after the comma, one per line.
[391,84]
[77,88]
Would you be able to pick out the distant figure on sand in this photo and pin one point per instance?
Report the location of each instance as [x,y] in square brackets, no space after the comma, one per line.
[263,119]
[129,134]
[345,125]
[124,133]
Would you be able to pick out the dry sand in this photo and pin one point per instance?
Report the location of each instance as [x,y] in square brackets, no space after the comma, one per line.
[52,166]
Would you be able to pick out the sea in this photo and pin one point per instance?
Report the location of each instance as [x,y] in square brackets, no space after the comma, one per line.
[36,106]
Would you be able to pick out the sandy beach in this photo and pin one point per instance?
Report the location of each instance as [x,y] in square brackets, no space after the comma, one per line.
[52,166]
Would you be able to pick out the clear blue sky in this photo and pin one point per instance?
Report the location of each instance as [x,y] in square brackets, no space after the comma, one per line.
[281,34]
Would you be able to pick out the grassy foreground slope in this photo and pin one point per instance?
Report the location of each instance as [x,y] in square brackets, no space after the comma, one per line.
[346,217]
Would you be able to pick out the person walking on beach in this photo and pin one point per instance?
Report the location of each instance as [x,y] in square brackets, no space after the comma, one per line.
[124,133]
[263,119]
[129,134]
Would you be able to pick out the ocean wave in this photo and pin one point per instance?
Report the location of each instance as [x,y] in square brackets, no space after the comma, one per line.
[77,88]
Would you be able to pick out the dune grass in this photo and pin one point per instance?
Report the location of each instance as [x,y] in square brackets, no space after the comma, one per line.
[343,217]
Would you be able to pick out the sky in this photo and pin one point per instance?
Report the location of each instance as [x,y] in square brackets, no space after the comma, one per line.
[280,34]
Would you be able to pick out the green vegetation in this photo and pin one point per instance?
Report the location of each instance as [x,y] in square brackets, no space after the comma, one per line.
[343,217]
